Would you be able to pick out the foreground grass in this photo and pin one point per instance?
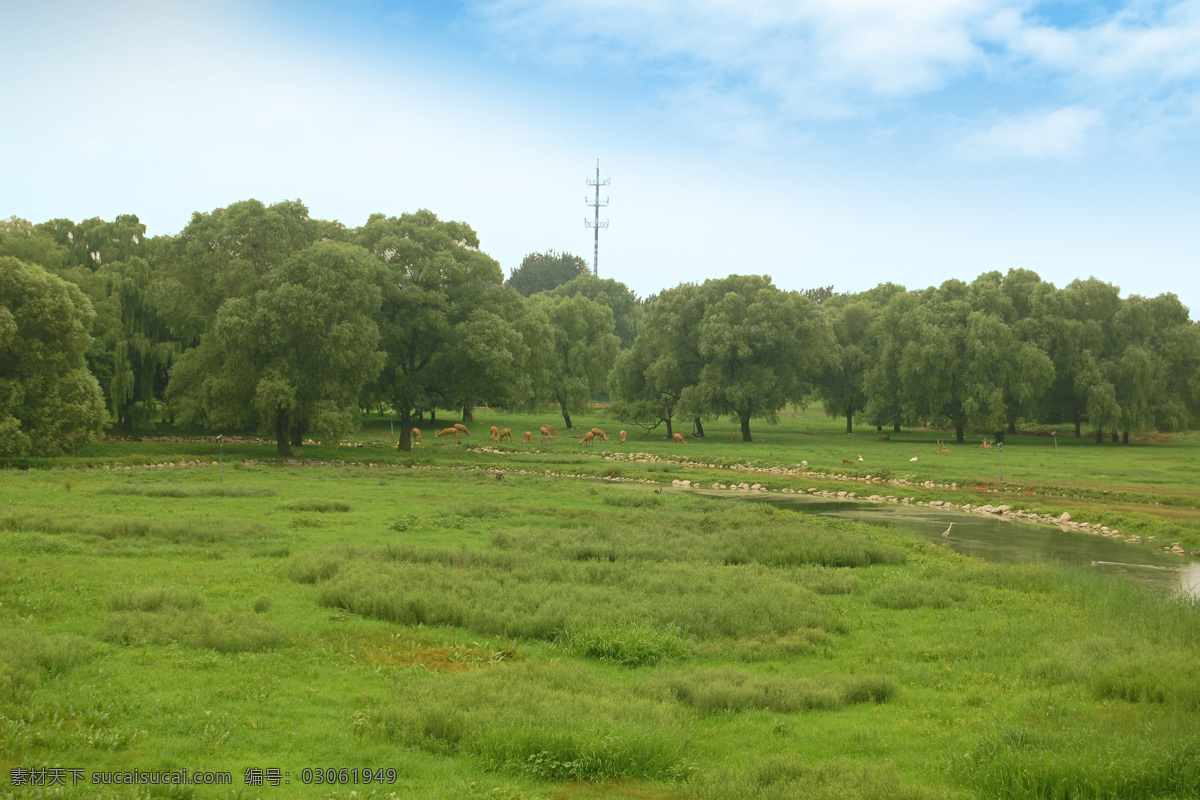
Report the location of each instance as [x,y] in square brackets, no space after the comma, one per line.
[549,638]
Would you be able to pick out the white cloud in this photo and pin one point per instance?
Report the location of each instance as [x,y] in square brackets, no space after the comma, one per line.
[1060,134]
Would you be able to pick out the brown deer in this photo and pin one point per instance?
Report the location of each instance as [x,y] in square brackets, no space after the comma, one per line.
[416,434]
[526,437]
[505,433]
[622,437]
[493,435]
[588,439]
[548,431]
[600,434]
[678,439]
[447,432]
[461,428]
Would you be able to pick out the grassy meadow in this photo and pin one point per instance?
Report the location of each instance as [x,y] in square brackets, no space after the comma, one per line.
[548,622]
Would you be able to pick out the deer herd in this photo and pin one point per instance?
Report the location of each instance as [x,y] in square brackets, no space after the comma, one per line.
[548,432]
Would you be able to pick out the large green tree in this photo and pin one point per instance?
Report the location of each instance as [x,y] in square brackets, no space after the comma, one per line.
[49,402]
[293,358]
[626,307]
[649,378]
[761,348]
[842,385]
[442,307]
[584,349]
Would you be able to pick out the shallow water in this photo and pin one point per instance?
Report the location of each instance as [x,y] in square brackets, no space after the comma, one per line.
[996,539]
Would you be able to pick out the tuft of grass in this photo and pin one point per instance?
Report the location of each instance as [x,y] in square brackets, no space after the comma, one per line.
[631,499]
[27,657]
[797,777]
[728,690]
[315,505]
[154,599]
[557,724]
[230,632]
[632,643]
[1081,762]
[907,592]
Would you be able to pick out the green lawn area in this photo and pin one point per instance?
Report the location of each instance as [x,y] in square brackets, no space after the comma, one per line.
[545,636]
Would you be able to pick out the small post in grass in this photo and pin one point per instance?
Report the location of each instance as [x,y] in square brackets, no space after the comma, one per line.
[220,458]
[1055,435]
[1000,447]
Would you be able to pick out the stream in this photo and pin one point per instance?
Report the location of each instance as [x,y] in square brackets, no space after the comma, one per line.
[996,539]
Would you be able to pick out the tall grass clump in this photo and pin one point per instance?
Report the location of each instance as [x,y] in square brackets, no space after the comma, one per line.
[1082,762]
[181,531]
[550,723]
[632,643]
[230,632]
[314,505]
[27,657]
[153,599]
[729,690]
[904,592]
[797,777]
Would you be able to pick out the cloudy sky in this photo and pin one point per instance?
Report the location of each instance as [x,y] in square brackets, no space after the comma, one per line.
[843,142]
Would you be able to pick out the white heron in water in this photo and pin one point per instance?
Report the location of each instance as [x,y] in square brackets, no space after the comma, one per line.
[946,533]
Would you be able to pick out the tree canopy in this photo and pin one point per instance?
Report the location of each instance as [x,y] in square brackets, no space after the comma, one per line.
[542,272]
[49,402]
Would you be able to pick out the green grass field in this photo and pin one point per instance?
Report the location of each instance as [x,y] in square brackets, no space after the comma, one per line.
[569,635]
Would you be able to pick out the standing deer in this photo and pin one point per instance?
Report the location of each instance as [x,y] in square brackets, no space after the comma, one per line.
[461,428]
[505,433]
[526,437]
[600,434]
[588,439]
[416,434]
[622,437]
[493,436]
[447,432]
[678,439]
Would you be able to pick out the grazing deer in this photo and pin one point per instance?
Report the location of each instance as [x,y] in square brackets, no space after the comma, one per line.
[548,431]
[588,439]
[678,439]
[942,447]
[600,434]
[458,426]
[493,435]
[622,437]
[526,437]
[505,433]
[416,434]
[847,461]
[447,432]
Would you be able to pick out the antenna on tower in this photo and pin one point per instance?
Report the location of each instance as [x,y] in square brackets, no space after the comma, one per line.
[597,224]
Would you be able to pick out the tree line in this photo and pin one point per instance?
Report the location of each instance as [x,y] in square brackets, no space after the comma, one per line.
[258,317]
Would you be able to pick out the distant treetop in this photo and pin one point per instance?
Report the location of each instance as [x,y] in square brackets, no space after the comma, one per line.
[541,272]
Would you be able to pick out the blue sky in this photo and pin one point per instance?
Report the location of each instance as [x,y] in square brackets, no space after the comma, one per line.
[843,142]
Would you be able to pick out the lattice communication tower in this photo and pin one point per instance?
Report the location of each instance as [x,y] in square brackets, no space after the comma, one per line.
[596,223]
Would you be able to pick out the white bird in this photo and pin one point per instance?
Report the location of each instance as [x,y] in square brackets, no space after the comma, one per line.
[914,458]
[946,533]
[860,458]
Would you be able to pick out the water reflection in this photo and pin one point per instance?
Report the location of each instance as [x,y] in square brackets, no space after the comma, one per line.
[996,539]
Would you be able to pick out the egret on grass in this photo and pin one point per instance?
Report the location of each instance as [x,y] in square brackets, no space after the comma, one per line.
[946,533]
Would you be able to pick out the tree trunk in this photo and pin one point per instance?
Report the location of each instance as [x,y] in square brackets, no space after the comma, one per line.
[1078,434]
[895,427]
[281,433]
[1114,435]
[958,434]
[1012,425]
[699,428]
[433,417]
[566,414]
[1099,436]
[297,437]
[670,431]
[746,430]
[468,414]
[405,442]
[849,419]
[1125,437]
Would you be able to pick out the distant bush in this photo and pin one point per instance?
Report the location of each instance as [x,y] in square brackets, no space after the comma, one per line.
[635,643]
[732,690]
[230,632]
